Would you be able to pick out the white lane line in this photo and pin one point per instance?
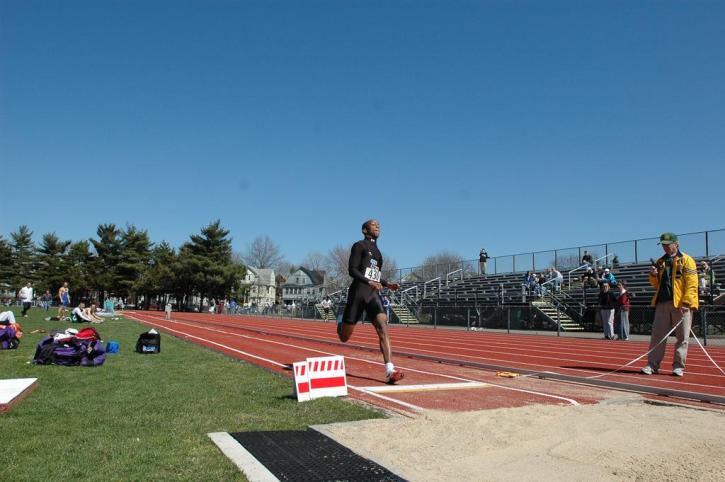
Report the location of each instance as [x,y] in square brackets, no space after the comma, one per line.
[426,387]
[253,469]
[482,353]
[399,402]
[521,390]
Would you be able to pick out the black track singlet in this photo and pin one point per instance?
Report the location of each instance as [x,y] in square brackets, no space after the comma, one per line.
[365,265]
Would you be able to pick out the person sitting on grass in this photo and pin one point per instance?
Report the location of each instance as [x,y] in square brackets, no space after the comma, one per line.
[8,318]
[92,312]
[81,314]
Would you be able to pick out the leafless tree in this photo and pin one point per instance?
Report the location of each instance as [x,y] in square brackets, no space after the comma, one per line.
[314,261]
[336,267]
[263,253]
[438,264]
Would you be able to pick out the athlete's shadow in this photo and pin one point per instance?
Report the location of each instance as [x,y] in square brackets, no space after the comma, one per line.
[360,377]
[603,370]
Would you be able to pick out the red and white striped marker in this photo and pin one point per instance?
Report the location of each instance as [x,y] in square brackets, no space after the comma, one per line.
[301,381]
[327,376]
[320,377]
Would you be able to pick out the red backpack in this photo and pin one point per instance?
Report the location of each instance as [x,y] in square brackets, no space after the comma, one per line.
[88,334]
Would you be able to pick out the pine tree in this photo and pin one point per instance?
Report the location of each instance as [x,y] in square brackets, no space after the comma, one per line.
[52,263]
[134,260]
[108,256]
[23,258]
[80,264]
[208,259]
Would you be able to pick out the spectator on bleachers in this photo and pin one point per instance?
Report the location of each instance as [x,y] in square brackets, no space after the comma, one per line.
[704,276]
[623,305]
[528,283]
[615,262]
[609,278]
[607,304]
[26,297]
[482,259]
[540,288]
[589,279]
[558,278]
[587,258]
[674,278]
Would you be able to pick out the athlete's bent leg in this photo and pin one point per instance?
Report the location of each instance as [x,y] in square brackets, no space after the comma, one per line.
[344,331]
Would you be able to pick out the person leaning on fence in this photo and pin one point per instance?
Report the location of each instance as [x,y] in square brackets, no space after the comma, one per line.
[587,258]
[482,259]
[674,277]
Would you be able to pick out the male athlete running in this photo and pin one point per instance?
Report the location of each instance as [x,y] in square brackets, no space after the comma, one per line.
[365,265]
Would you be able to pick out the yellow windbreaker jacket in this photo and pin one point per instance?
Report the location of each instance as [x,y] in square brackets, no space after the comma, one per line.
[684,280]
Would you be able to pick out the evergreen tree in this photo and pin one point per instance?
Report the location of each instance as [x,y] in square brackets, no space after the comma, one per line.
[6,265]
[22,257]
[134,260]
[52,263]
[108,257]
[160,278]
[208,259]
[80,264]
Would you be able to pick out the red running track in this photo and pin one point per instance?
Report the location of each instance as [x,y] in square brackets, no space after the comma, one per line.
[276,343]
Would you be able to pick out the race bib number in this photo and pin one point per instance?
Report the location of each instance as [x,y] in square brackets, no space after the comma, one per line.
[373,274]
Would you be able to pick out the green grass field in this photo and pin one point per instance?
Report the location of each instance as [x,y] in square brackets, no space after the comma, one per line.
[143,417]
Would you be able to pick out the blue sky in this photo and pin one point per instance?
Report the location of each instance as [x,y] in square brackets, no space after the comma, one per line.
[513,125]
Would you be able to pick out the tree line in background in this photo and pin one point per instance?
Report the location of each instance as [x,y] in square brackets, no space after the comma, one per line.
[123,263]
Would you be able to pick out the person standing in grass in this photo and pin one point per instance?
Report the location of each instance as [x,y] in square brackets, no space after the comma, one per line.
[674,278]
[64,300]
[26,297]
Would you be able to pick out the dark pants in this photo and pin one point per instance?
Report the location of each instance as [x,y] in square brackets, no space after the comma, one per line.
[26,307]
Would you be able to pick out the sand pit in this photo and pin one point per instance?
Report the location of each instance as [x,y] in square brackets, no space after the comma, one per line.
[618,440]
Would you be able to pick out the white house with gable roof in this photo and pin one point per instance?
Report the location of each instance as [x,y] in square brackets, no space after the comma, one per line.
[262,286]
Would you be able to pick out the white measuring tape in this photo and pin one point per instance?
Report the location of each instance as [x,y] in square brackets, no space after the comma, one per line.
[655,346]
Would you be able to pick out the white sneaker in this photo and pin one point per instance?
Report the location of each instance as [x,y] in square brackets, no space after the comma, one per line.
[648,370]
[678,372]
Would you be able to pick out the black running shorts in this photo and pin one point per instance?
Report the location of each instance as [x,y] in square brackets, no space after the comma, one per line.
[359,301]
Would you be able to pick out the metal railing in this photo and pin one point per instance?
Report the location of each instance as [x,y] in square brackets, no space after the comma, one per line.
[449,275]
[702,244]
[414,287]
[584,266]
[425,285]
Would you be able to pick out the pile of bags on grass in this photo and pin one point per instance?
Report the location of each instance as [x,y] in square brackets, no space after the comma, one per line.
[10,336]
[71,348]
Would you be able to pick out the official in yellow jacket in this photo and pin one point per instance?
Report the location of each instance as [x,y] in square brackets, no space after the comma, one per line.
[674,277]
